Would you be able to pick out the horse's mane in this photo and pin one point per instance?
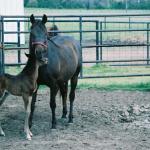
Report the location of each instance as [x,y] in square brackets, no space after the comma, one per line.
[53,28]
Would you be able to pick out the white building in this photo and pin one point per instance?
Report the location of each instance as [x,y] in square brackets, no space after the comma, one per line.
[12,8]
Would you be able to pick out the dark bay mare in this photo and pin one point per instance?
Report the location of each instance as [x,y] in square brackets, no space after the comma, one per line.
[64,64]
[24,84]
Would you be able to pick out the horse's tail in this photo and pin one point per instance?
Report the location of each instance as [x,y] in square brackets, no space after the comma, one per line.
[51,29]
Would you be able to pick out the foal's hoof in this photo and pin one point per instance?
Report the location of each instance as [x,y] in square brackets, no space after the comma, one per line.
[2,133]
[29,138]
[30,133]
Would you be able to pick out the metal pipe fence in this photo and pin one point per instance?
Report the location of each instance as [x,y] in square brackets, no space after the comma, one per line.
[116,40]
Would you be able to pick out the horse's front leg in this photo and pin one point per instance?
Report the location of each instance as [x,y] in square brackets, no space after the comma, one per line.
[54,91]
[27,105]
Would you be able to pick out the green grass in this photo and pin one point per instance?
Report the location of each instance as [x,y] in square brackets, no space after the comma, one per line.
[130,84]
[106,70]
[127,83]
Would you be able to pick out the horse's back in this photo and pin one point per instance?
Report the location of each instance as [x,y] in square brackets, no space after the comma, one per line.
[64,56]
[67,41]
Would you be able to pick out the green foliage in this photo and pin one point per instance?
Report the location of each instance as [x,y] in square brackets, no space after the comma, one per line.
[142,5]
[87,4]
[118,5]
[49,3]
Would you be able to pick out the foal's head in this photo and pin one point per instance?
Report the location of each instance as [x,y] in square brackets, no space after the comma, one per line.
[38,38]
[32,60]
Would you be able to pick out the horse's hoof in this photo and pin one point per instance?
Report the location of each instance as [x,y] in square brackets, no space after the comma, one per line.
[64,116]
[53,127]
[70,121]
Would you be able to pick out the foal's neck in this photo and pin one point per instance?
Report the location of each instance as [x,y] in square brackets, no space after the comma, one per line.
[31,68]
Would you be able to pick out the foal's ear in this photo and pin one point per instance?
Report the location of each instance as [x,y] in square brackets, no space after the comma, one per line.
[44,19]
[28,55]
[32,19]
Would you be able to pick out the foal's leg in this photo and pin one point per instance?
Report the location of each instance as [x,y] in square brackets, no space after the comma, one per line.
[27,104]
[54,91]
[1,102]
[4,98]
[1,131]
[63,86]
[34,96]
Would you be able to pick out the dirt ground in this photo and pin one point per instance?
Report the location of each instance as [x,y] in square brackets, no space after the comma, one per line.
[103,120]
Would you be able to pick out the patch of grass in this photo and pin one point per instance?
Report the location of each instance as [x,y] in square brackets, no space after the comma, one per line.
[105,70]
[127,83]
[130,84]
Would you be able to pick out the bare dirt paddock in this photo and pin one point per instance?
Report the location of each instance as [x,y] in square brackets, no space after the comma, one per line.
[103,120]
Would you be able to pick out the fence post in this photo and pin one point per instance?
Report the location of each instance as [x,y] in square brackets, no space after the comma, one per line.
[105,22]
[80,32]
[148,43]
[18,44]
[101,41]
[97,40]
[129,22]
[1,45]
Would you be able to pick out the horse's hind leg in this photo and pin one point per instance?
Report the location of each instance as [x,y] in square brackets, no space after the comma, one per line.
[74,81]
[54,90]
[34,96]
[63,86]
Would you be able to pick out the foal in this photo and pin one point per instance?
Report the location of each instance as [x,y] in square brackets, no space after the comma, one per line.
[24,84]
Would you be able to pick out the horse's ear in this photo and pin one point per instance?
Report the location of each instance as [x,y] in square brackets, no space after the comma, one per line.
[28,55]
[44,19]
[32,19]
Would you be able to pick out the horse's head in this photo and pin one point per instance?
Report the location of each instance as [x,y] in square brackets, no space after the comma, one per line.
[38,38]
